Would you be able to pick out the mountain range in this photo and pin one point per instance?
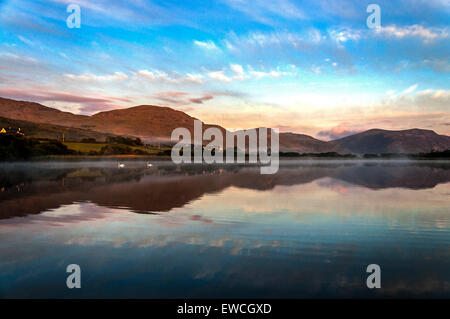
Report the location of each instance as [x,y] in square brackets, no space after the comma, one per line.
[155,124]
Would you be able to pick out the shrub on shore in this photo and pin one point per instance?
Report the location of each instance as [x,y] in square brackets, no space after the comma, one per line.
[115,149]
[16,147]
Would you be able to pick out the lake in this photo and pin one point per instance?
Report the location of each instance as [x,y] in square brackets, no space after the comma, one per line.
[208,231]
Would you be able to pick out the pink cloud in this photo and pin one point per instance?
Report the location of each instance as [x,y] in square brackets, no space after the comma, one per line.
[200,100]
[88,104]
[171,97]
[337,132]
[49,96]
[181,98]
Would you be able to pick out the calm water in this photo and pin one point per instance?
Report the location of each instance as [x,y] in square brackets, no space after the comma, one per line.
[203,231]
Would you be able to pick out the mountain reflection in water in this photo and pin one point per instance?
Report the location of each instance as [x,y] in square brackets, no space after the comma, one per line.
[225,231]
[31,189]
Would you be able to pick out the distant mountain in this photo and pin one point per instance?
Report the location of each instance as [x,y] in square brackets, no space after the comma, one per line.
[301,143]
[155,123]
[378,141]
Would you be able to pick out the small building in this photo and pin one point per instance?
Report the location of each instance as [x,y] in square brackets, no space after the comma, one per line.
[12,131]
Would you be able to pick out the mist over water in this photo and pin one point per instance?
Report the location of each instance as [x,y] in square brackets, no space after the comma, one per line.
[225,231]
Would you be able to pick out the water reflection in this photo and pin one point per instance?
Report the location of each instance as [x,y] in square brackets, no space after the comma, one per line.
[308,231]
[33,188]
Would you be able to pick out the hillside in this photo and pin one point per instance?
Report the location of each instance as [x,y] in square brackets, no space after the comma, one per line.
[301,143]
[385,141]
[51,131]
[145,121]
[37,113]
[148,122]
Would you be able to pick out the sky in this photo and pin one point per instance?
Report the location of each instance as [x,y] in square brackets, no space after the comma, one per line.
[311,67]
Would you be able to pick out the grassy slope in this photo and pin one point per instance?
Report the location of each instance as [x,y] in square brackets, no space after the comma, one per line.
[51,131]
[96,147]
[84,147]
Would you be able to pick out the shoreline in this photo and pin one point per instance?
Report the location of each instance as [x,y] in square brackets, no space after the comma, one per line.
[166,158]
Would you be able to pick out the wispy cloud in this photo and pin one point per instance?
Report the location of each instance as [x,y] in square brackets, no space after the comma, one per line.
[25,40]
[116,76]
[273,74]
[427,34]
[196,78]
[219,76]
[155,76]
[341,35]
[49,96]
[182,98]
[267,11]
[428,99]
[208,45]
[136,13]
[410,89]
[200,100]
[238,70]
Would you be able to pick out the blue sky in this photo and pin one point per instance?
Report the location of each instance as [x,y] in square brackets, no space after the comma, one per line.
[310,67]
